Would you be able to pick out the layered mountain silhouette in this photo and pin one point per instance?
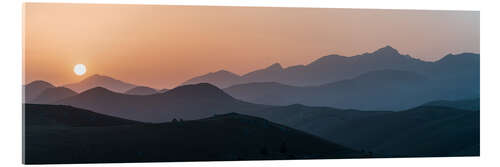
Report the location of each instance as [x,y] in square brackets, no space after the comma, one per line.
[100,81]
[454,77]
[375,90]
[33,89]
[383,103]
[324,70]
[185,102]
[51,95]
[58,134]
[220,78]
[141,90]
[200,101]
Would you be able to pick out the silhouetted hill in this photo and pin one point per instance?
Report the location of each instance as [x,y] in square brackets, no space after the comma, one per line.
[222,137]
[268,74]
[187,102]
[33,89]
[67,116]
[422,131]
[315,120]
[163,90]
[220,78]
[468,104]
[324,70]
[51,95]
[375,90]
[141,90]
[100,81]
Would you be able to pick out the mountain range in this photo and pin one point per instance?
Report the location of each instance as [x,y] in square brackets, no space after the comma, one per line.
[382,103]
[324,70]
[364,82]
[381,80]
[192,102]
[375,90]
[187,102]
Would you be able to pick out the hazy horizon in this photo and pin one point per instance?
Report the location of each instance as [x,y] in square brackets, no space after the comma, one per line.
[162,46]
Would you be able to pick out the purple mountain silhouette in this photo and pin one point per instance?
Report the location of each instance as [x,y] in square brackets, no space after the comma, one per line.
[51,95]
[33,89]
[141,90]
[100,81]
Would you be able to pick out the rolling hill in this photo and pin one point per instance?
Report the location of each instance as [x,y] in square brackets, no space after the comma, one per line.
[369,91]
[422,132]
[100,81]
[51,95]
[373,131]
[222,137]
[187,102]
[220,78]
[375,90]
[67,116]
[33,89]
[467,104]
[141,90]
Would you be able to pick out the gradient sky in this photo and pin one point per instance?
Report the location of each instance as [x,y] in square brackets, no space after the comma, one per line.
[162,46]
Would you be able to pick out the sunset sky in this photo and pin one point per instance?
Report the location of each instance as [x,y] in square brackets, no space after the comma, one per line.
[162,46]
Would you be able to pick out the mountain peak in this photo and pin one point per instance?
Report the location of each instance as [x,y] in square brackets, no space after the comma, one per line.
[98,90]
[41,83]
[201,90]
[466,57]
[98,80]
[225,72]
[275,66]
[98,77]
[387,50]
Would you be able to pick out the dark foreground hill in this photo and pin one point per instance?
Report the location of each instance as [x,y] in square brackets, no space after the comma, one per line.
[422,132]
[467,104]
[67,116]
[419,132]
[55,138]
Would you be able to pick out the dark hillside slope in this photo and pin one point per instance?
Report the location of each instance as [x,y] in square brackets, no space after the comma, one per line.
[222,137]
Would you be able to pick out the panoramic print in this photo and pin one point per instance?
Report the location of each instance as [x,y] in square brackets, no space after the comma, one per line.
[156,83]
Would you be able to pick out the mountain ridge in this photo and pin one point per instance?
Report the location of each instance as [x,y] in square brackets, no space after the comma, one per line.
[98,80]
[326,69]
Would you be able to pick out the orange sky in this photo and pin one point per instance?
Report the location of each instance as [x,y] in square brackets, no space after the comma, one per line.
[162,46]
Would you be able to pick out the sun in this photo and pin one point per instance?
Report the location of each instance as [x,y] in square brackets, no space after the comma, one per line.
[80,69]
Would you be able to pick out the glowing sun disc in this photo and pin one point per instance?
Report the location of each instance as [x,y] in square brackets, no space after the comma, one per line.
[80,69]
